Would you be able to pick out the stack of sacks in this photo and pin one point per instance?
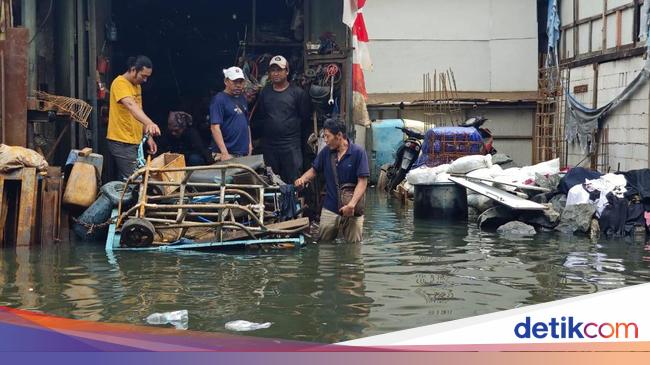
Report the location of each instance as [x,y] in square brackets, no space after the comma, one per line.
[526,175]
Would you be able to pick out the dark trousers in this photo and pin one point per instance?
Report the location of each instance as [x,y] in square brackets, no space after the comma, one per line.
[125,156]
[285,161]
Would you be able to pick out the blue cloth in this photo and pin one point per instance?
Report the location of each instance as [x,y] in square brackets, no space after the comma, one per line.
[231,114]
[288,202]
[353,164]
[553,27]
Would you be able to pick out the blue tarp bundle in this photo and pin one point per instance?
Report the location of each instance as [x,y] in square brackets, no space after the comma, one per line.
[443,142]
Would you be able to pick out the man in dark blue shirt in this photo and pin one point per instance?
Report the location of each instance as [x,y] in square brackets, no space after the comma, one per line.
[231,136]
[351,168]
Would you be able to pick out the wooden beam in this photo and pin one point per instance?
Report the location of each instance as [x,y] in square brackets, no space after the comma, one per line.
[27,208]
[606,12]
[624,52]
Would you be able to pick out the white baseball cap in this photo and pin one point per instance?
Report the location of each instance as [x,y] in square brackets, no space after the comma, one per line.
[278,60]
[233,73]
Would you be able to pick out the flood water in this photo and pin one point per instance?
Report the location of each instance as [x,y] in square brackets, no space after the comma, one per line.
[407,273]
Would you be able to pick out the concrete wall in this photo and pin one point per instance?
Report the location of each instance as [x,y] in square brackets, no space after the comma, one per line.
[487,46]
[628,125]
[511,126]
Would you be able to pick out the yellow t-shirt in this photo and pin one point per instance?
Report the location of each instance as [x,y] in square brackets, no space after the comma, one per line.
[122,126]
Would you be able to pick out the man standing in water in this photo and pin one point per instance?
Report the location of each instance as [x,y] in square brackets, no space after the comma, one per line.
[351,164]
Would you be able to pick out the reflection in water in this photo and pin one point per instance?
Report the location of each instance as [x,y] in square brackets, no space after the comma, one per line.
[407,273]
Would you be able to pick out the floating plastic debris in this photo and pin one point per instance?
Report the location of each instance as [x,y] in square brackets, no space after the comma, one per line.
[241,326]
[179,319]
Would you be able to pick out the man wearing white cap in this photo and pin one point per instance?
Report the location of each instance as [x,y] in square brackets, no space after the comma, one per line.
[231,135]
[285,112]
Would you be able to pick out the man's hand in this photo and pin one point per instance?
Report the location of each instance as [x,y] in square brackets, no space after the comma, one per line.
[347,210]
[226,156]
[250,149]
[300,182]
[153,147]
[151,129]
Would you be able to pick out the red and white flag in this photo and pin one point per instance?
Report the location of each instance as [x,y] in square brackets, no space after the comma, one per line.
[353,18]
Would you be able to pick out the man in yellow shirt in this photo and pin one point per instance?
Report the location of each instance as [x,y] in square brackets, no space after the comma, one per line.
[126,120]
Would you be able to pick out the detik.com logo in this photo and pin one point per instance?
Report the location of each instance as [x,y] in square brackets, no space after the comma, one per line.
[568,327]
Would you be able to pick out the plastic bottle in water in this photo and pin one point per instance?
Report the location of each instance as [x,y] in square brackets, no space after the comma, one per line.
[176,318]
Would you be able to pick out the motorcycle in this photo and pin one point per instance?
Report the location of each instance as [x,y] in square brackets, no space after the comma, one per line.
[405,157]
[486,135]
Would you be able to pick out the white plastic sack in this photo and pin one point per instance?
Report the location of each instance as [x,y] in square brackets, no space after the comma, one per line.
[467,164]
[443,177]
[421,176]
[577,195]
[551,167]
[425,175]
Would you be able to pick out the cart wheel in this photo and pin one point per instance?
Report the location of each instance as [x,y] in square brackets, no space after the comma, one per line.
[137,232]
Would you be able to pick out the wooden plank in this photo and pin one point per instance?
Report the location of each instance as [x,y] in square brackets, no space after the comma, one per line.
[50,202]
[498,195]
[27,208]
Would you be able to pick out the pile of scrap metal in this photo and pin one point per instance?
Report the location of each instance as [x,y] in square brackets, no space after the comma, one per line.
[233,204]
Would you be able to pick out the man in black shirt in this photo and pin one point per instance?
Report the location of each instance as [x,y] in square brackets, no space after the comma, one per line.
[284,111]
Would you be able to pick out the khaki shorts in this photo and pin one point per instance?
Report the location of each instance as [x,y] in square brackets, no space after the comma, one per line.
[331,224]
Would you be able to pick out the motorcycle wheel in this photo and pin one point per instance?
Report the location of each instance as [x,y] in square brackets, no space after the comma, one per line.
[397,179]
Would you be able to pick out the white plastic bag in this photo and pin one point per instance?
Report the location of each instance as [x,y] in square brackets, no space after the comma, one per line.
[179,319]
[241,326]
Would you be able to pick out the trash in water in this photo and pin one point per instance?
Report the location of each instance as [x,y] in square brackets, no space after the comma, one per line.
[240,325]
[179,319]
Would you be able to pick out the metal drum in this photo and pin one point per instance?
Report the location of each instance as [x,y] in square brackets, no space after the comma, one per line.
[447,201]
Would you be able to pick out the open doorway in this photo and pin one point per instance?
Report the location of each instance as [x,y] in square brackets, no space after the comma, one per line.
[191,42]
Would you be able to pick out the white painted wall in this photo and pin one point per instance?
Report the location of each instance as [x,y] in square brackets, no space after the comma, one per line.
[490,44]
[629,123]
